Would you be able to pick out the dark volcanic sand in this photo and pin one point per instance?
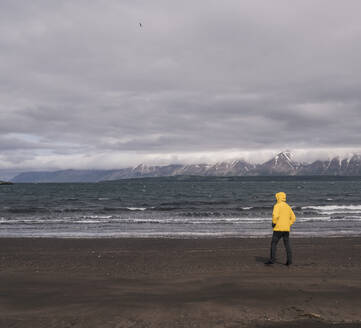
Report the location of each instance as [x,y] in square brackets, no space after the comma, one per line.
[178,283]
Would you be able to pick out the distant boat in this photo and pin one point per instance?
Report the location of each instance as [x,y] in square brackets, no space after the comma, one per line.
[5,183]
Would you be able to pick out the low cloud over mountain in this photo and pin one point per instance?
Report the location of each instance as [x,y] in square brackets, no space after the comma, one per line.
[281,164]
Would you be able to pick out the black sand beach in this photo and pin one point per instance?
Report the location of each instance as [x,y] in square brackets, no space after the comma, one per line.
[178,283]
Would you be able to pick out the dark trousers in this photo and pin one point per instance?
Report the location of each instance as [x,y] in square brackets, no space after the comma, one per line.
[277,235]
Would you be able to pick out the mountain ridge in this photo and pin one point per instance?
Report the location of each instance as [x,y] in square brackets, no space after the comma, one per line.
[281,164]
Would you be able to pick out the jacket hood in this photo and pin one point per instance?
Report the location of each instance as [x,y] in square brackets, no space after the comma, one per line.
[281,197]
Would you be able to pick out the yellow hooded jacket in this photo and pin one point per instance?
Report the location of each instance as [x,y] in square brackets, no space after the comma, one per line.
[283,216]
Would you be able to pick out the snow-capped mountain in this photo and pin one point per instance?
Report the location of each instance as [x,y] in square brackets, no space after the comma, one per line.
[281,164]
[238,167]
[336,166]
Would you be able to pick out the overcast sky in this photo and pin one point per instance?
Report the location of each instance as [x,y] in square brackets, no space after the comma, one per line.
[83,85]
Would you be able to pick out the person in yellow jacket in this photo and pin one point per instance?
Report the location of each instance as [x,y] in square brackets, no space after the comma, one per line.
[282,220]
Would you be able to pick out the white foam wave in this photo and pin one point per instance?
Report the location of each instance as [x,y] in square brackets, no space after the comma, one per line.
[312,219]
[130,220]
[333,207]
[178,221]
[176,235]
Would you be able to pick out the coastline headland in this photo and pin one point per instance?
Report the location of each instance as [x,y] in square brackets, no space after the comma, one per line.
[6,183]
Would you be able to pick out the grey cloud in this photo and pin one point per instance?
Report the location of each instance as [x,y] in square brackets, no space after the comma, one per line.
[83,78]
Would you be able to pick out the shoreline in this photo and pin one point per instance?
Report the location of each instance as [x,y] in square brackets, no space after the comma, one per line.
[184,237]
[159,282]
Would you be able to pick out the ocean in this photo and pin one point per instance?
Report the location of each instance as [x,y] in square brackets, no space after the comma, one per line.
[180,207]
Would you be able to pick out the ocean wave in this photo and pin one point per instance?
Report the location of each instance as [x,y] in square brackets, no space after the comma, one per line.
[136,208]
[342,210]
[19,210]
[169,235]
[334,207]
[198,214]
[111,219]
[126,209]
[193,211]
[205,221]
[134,234]
[33,209]
[257,208]
[195,203]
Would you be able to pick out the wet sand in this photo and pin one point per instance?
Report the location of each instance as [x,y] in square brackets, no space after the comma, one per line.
[178,283]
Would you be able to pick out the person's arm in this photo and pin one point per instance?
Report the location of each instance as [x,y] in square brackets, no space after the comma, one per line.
[293,217]
[275,215]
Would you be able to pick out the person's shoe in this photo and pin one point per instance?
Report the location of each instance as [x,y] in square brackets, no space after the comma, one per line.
[269,262]
[288,263]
